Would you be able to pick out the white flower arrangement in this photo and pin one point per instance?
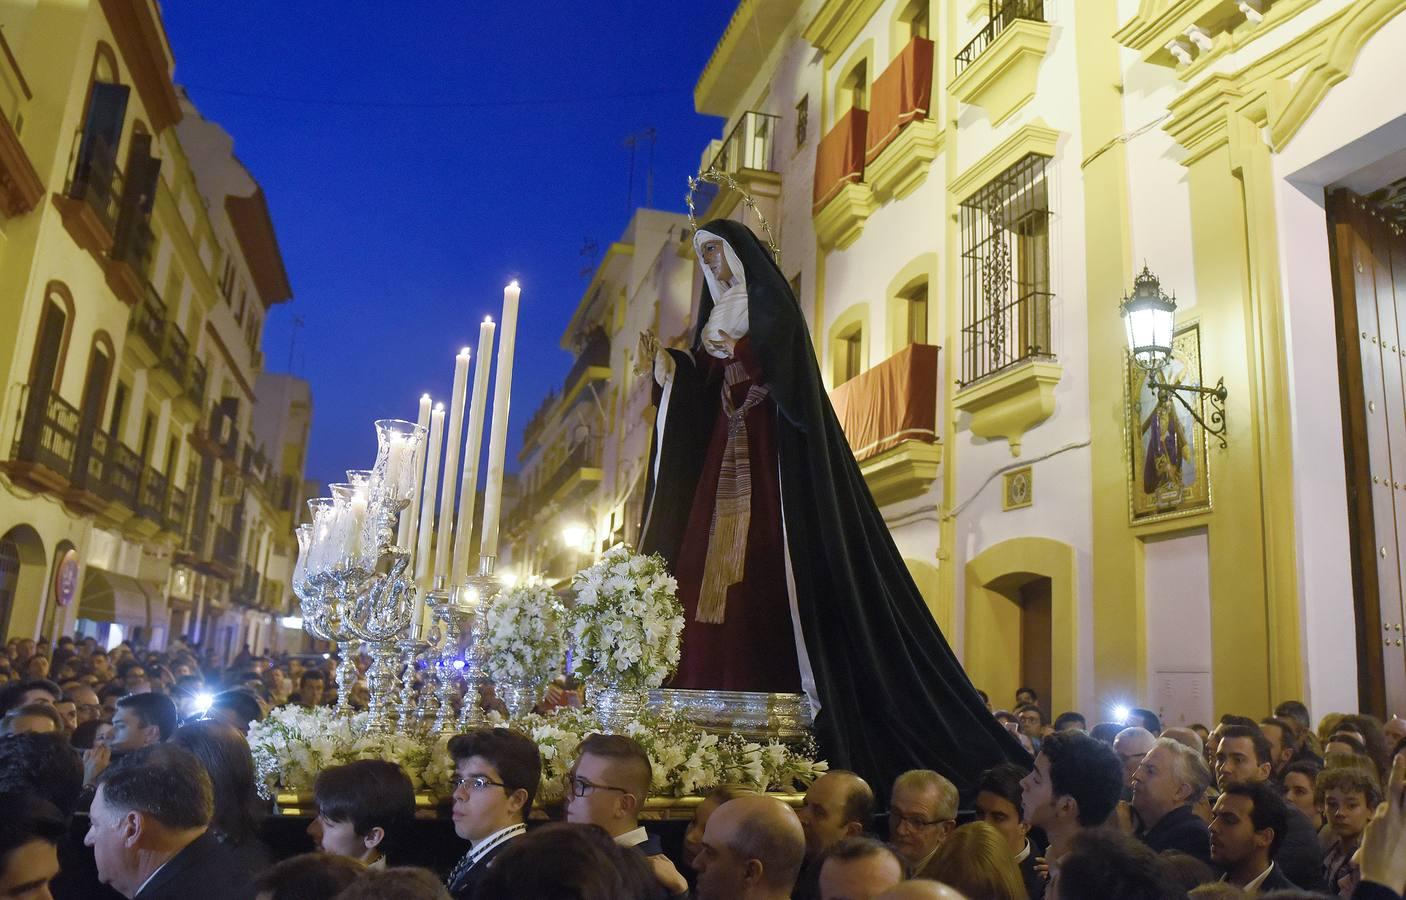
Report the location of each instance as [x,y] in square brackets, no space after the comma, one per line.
[523,639]
[293,744]
[627,621]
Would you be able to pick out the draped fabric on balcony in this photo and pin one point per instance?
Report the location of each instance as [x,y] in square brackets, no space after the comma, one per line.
[893,402]
[902,94]
[110,597]
[840,158]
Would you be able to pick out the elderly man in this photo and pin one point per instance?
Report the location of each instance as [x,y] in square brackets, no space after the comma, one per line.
[922,813]
[1165,786]
[752,850]
[858,868]
[1132,745]
[838,804]
[149,830]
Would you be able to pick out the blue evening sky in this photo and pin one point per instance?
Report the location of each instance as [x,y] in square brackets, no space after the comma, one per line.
[417,156]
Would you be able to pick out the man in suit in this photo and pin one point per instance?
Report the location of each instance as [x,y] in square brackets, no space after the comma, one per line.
[1165,786]
[496,773]
[1248,826]
[1244,755]
[149,830]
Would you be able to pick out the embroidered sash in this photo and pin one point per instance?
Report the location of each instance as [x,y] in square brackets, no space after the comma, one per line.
[732,510]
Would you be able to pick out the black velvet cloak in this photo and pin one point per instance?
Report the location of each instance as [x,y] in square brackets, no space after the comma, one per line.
[893,695]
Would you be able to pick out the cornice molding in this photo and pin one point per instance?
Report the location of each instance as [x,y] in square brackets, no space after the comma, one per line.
[1033,137]
[837,24]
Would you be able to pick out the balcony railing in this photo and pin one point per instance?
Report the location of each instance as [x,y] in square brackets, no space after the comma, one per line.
[195,384]
[595,353]
[893,402]
[151,497]
[124,473]
[90,460]
[136,249]
[48,430]
[176,508]
[1001,15]
[225,549]
[751,145]
[149,319]
[96,180]
[175,353]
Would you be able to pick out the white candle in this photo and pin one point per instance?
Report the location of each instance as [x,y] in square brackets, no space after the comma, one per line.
[473,451]
[410,516]
[353,523]
[498,437]
[431,483]
[452,437]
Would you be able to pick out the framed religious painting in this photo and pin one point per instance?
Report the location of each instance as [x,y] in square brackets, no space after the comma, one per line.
[1169,464]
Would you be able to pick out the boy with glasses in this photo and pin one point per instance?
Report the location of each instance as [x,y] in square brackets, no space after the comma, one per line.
[496,774]
[608,786]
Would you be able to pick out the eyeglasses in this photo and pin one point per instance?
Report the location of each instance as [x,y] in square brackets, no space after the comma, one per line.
[897,818]
[475,782]
[580,787]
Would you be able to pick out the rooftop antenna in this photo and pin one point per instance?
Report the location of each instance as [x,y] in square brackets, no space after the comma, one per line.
[647,134]
[590,251]
[298,324]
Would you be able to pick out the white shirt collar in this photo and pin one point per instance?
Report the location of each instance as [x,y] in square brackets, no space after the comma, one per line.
[1254,884]
[151,876]
[631,838]
[1024,852]
[477,849]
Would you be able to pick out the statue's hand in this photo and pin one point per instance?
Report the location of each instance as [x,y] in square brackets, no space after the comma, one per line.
[644,358]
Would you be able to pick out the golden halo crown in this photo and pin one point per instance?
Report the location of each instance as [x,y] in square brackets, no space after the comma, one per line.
[723,179]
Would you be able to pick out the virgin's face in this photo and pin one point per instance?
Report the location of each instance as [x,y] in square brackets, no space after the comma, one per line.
[716,260]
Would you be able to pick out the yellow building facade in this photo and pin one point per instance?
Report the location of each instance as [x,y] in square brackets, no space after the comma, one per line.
[137,265]
[963,192]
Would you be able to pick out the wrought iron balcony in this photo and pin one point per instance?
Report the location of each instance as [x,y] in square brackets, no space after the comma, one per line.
[45,439]
[149,321]
[1001,14]
[122,478]
[151,496]
[90,461]
[177,505]
[225,548]
[195,383]
[175,353]
[750,145]
[95,180]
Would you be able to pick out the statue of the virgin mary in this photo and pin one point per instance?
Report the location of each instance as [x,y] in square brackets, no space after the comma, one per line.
[788,575]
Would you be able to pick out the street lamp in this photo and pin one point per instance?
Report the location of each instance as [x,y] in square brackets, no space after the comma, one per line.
[1149,316]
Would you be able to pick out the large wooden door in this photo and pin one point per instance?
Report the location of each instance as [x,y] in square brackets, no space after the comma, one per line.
[1369,286]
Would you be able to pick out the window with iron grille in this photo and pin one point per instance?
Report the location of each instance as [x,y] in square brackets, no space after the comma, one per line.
[802,121]
[1006,270]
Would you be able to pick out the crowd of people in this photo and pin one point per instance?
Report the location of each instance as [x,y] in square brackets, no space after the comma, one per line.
[127,773]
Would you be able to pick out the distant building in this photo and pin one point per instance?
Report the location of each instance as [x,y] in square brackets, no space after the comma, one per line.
[137,265]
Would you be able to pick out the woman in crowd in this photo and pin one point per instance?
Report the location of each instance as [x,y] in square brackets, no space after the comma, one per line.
[238,811]
[976,860]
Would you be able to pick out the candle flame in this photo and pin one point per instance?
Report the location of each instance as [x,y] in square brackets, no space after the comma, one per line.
[439,407]
[488,319]
[464,352]
[513,283]
[425,396]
